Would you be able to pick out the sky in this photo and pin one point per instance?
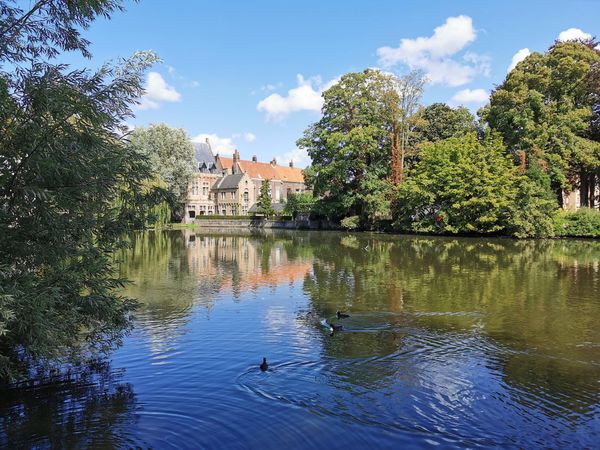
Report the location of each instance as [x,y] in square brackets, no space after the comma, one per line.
[249,75]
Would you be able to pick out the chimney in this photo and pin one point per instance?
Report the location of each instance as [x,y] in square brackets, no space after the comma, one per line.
[236,156]
[254,158]
[274,162]
[291,163]
[208,143]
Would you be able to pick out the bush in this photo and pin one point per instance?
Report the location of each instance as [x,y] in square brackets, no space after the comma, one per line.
[584,222]
[350,223]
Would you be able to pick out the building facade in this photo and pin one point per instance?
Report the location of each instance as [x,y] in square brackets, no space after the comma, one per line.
[231,186]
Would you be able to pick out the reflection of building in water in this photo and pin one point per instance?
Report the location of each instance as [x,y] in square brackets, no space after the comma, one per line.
[243,263]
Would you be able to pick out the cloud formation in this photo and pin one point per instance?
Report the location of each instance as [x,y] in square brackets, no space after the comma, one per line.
[435,54]
[573,34]
[518,57]
[224,145]
[298,156]
[470,96]
[157,91]
[305,97]
[221,145]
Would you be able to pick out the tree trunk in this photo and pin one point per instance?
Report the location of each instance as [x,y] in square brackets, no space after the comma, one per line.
[583,190]
[396,165]
[592,194]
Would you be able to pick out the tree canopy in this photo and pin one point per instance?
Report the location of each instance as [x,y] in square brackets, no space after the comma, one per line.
[171,156]
[69,188]
[547,112]
[350,148]
[464,185]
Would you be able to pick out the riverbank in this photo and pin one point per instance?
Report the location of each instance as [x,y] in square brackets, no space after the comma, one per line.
[259,223]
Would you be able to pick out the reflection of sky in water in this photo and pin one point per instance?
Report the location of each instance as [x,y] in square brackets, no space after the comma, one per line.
[451,342]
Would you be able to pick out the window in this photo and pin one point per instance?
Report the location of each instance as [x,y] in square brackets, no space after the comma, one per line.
[192,214]
[224,212]
[195,187]
[233,195]
[277,194]
[246,196]
[205,190]
[222,195]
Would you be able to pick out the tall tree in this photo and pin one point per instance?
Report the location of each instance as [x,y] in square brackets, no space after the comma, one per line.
[171,156]
[69,187]
[402,100]
[350,148]
[547,111]
[265,202]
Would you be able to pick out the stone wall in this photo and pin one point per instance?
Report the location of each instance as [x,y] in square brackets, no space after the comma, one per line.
[264,223]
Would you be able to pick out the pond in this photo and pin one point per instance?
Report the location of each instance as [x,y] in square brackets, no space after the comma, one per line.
[450,342]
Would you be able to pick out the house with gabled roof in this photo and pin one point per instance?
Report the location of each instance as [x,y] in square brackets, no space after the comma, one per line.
[200,199]
[231,186]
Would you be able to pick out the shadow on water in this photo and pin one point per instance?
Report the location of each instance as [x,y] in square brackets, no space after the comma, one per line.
[93,409]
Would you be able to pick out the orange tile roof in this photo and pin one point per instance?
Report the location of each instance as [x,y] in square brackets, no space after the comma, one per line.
[290,174]
[265,171]
[260,170]
[226,163]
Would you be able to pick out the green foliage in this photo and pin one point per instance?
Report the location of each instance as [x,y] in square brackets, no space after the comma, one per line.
[584,222]
[171,155]
[302,203]
[462,185]
[439,121]
[69,189]
[545,110]
[350,148]
[350,223]
[264,202]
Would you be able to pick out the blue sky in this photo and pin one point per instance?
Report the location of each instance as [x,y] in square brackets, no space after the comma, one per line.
[249,74]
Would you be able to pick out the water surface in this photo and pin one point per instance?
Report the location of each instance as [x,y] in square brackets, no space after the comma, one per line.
[450,342]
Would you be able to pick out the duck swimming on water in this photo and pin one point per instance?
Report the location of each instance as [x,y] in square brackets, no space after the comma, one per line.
[341,315]
[334,327]
[264,366]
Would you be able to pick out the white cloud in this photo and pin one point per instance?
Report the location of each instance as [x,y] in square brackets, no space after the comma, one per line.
[573,34]
[221,145]
[518,57]
[474,96]
[157,91]
[434,54]
[249,137]
[298,156]
[305,97]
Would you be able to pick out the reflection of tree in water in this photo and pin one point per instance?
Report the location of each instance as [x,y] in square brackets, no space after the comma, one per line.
[537,301]
[92,412]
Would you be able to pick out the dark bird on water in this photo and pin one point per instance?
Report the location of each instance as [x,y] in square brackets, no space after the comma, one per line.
[341,315]
[334,327]
[264,366]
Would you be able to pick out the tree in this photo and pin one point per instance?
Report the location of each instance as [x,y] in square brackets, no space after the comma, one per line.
[402,102]
[462,185]
[350,149]
[171,156]
[296,204]
[69,188]
[546,111]
[439,121]
[264,202]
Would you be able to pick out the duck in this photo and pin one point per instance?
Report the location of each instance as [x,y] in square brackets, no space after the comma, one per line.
[335,327]
[341,315]
[264,366]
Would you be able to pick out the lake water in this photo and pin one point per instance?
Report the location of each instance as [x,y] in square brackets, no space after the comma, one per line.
[450,342]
